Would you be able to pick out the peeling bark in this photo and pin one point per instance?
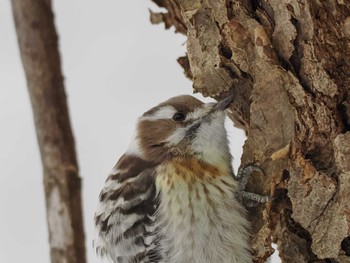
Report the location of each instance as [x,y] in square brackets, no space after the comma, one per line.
[288,63]
[38,43]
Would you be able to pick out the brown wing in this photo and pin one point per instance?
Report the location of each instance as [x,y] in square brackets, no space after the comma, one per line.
[125,220]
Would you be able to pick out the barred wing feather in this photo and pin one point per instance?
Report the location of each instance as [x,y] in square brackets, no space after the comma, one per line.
[124,220]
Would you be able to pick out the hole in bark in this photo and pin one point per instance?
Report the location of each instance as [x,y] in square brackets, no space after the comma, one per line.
[312,155]
[344,110]
[280,194]
[255,4]
[285,175]
[295,58]
[322,157]
[345,245]
[225,51]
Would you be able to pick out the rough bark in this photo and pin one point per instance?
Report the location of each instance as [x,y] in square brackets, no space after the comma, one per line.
[288,62]
[38,44]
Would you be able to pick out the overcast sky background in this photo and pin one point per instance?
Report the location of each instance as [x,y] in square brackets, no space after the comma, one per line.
[116,66]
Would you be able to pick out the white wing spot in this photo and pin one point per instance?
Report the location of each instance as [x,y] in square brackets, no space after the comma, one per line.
[134,147]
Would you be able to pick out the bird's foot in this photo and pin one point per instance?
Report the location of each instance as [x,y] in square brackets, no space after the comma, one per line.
[248,198]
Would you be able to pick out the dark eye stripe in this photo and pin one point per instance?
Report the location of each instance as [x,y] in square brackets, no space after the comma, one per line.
[191,132]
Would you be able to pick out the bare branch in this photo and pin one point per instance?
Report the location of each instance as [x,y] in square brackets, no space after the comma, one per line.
[38,44]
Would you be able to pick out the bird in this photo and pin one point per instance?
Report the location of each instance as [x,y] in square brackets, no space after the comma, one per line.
[172,196]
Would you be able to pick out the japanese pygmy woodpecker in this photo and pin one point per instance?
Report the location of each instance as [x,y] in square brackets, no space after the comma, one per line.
[172,197]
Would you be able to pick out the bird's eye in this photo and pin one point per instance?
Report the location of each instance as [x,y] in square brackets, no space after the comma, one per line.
[179,116]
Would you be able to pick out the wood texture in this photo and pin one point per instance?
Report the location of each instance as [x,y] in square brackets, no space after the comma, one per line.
[288,63]
[38,45]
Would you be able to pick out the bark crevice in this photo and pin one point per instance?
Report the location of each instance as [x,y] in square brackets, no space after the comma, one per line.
[288,63]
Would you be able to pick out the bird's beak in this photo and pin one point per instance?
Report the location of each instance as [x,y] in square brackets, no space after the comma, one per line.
[223,104]
[219,106]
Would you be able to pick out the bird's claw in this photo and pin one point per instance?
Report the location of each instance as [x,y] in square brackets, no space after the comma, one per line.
[248,198]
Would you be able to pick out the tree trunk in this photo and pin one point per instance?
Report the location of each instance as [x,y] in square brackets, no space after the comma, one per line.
[288,62]
[38,44]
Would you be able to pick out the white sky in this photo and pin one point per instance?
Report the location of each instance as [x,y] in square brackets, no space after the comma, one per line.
[116,66]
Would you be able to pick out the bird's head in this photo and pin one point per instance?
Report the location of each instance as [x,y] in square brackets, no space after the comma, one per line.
[183,126]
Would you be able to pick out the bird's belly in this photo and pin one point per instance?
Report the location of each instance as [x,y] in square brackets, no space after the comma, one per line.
[202,221]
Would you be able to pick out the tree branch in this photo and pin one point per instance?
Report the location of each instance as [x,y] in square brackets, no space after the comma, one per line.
[38,43]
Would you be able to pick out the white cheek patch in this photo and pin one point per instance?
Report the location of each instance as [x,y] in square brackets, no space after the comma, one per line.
[177,136]
[165,112]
